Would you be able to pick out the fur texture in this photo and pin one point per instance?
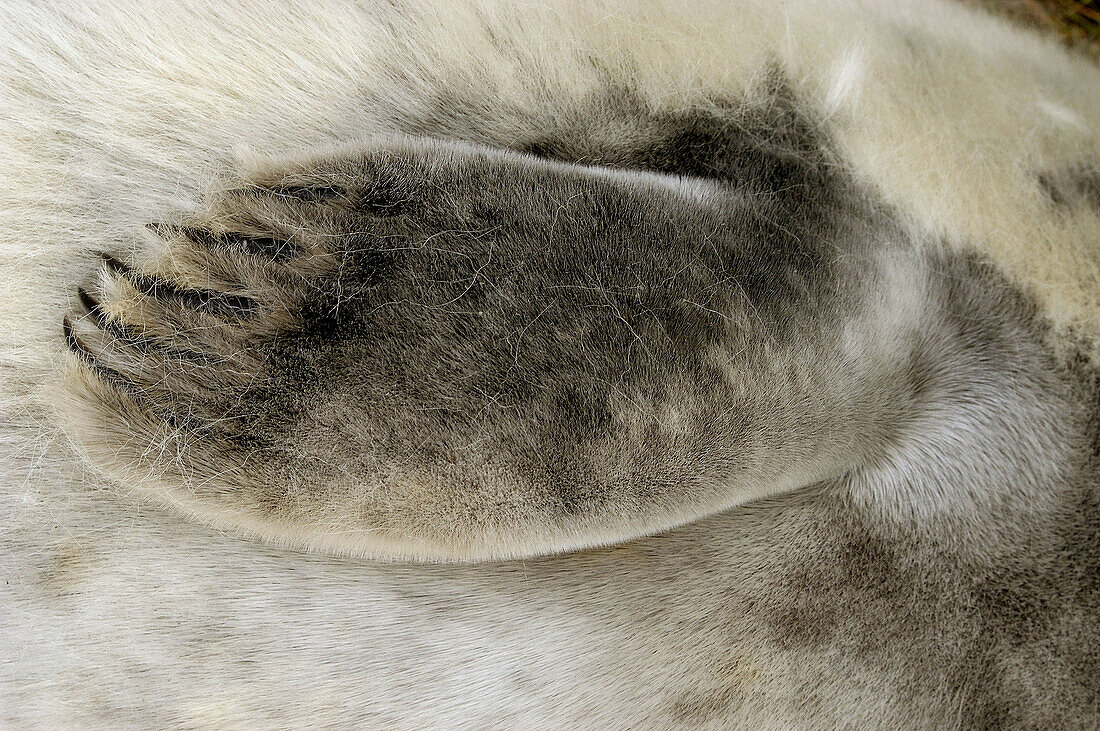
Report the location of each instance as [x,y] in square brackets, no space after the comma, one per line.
[813,289]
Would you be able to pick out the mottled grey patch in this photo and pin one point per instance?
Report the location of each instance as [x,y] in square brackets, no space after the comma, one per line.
[707,704]
[952,634]
[66,567]
[1076,186]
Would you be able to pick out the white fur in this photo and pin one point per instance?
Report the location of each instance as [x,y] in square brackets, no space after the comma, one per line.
[113,612]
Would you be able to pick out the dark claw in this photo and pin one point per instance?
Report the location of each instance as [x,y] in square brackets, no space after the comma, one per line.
[114,378]
[90,304]
[74,343]
[203,300]
[134,339]
[107,325]
[116,266]
[265,246]
[116,330]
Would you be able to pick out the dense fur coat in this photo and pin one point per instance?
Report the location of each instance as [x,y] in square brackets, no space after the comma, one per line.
[568,365]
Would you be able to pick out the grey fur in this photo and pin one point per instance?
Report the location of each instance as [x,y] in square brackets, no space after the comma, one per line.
[535,326]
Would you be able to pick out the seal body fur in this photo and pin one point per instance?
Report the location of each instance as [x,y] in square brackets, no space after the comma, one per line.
[470,282]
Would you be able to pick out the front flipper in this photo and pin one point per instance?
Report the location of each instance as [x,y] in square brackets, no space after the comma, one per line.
[433,350]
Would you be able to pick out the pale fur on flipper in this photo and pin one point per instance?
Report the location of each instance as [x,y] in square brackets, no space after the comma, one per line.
[823,607]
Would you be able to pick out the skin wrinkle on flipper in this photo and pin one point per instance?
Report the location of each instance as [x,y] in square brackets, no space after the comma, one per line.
[950,581]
